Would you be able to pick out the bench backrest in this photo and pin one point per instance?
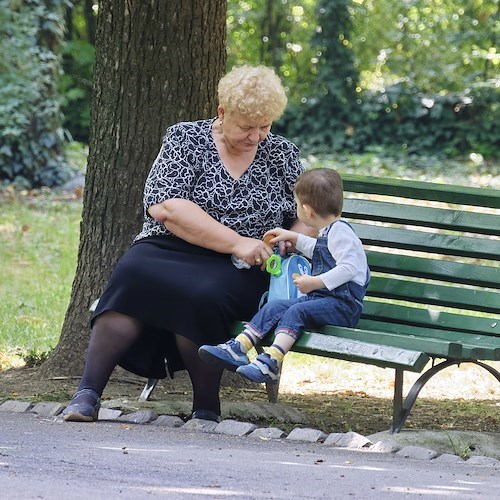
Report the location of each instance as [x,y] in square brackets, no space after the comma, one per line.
[434,253]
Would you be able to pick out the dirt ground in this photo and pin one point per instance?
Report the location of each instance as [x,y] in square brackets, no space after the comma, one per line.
[341,401]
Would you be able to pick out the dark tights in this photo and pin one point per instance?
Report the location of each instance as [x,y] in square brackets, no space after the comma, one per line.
[205,378]
[114,333]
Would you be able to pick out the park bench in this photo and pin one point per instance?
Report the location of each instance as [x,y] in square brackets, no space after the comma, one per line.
[434,297]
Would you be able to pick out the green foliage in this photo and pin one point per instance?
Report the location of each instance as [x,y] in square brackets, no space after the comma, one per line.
[367,71]
[276,33]
[400,117]
[78,55]
[75,86]
[30,119]
[435,45]
[35,358]
[453,124]
[324,116]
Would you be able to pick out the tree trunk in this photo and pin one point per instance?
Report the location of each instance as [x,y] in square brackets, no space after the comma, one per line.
[157,63]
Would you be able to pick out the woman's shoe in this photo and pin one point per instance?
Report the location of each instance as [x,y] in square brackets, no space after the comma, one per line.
[84,407]
[206,415]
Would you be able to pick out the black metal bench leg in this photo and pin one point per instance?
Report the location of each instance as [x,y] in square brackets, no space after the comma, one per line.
[492,370]
[414,392]
[422,380]
[397,403]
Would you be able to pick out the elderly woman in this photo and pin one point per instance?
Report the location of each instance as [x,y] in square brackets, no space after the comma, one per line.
[214,189]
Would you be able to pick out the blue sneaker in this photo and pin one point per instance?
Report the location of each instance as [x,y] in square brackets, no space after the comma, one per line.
[228,355]
[263,369]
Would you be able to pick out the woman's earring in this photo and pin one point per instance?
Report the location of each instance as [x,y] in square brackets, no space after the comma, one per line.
[221,122]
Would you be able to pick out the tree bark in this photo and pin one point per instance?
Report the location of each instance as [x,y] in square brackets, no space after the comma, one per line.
[157,63]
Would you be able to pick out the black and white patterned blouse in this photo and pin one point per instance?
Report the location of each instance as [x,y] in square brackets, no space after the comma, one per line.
[188,166]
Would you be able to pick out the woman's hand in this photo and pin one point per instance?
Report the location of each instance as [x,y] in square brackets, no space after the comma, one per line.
[307,284]
[253,251]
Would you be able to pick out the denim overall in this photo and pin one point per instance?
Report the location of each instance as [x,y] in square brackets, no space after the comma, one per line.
[340,307]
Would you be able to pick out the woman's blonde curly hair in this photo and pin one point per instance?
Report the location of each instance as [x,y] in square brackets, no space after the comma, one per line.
[254,91]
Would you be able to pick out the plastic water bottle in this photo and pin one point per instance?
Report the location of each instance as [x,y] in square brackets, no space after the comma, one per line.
[239,263]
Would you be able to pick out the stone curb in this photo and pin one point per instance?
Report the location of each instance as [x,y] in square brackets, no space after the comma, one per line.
[347,440]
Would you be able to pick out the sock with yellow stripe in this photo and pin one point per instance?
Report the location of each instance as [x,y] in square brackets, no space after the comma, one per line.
[277,353]
[246,340]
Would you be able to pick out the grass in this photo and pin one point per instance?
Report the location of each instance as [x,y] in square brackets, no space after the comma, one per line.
[38,239]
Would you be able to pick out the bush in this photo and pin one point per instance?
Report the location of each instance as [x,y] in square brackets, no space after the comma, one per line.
[31,134]
[401,117]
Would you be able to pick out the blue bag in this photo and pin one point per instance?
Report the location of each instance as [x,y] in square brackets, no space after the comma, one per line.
[282,270]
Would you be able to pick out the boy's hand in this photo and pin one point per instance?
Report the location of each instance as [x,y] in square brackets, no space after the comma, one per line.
[284,237]
[306,283]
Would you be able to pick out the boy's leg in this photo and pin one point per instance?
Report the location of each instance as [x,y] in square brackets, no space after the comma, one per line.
[233,353]
[282,343]
[267,366]
[307,313]
[265,321]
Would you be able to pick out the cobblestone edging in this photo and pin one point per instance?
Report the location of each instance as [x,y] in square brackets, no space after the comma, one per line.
[349,440]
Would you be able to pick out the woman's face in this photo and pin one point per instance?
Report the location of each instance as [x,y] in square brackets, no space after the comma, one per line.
[242,133]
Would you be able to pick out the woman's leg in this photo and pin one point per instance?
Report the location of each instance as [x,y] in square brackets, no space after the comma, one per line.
[205,378]
[113,334]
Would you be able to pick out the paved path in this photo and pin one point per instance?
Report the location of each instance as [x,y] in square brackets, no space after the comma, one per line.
[43,457]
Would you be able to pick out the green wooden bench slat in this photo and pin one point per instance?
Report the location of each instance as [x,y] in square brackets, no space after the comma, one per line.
[353,350]
[422,241]
[431,293]
[438,269]
[418,190]
[457,220]
[473,346]
[395,313]
[436,347]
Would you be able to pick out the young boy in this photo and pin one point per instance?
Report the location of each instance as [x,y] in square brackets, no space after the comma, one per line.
[334,291]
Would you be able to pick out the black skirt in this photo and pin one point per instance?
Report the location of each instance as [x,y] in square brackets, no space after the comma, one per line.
[175,288]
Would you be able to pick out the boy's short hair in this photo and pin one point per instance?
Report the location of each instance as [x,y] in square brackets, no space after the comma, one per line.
[322,189]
